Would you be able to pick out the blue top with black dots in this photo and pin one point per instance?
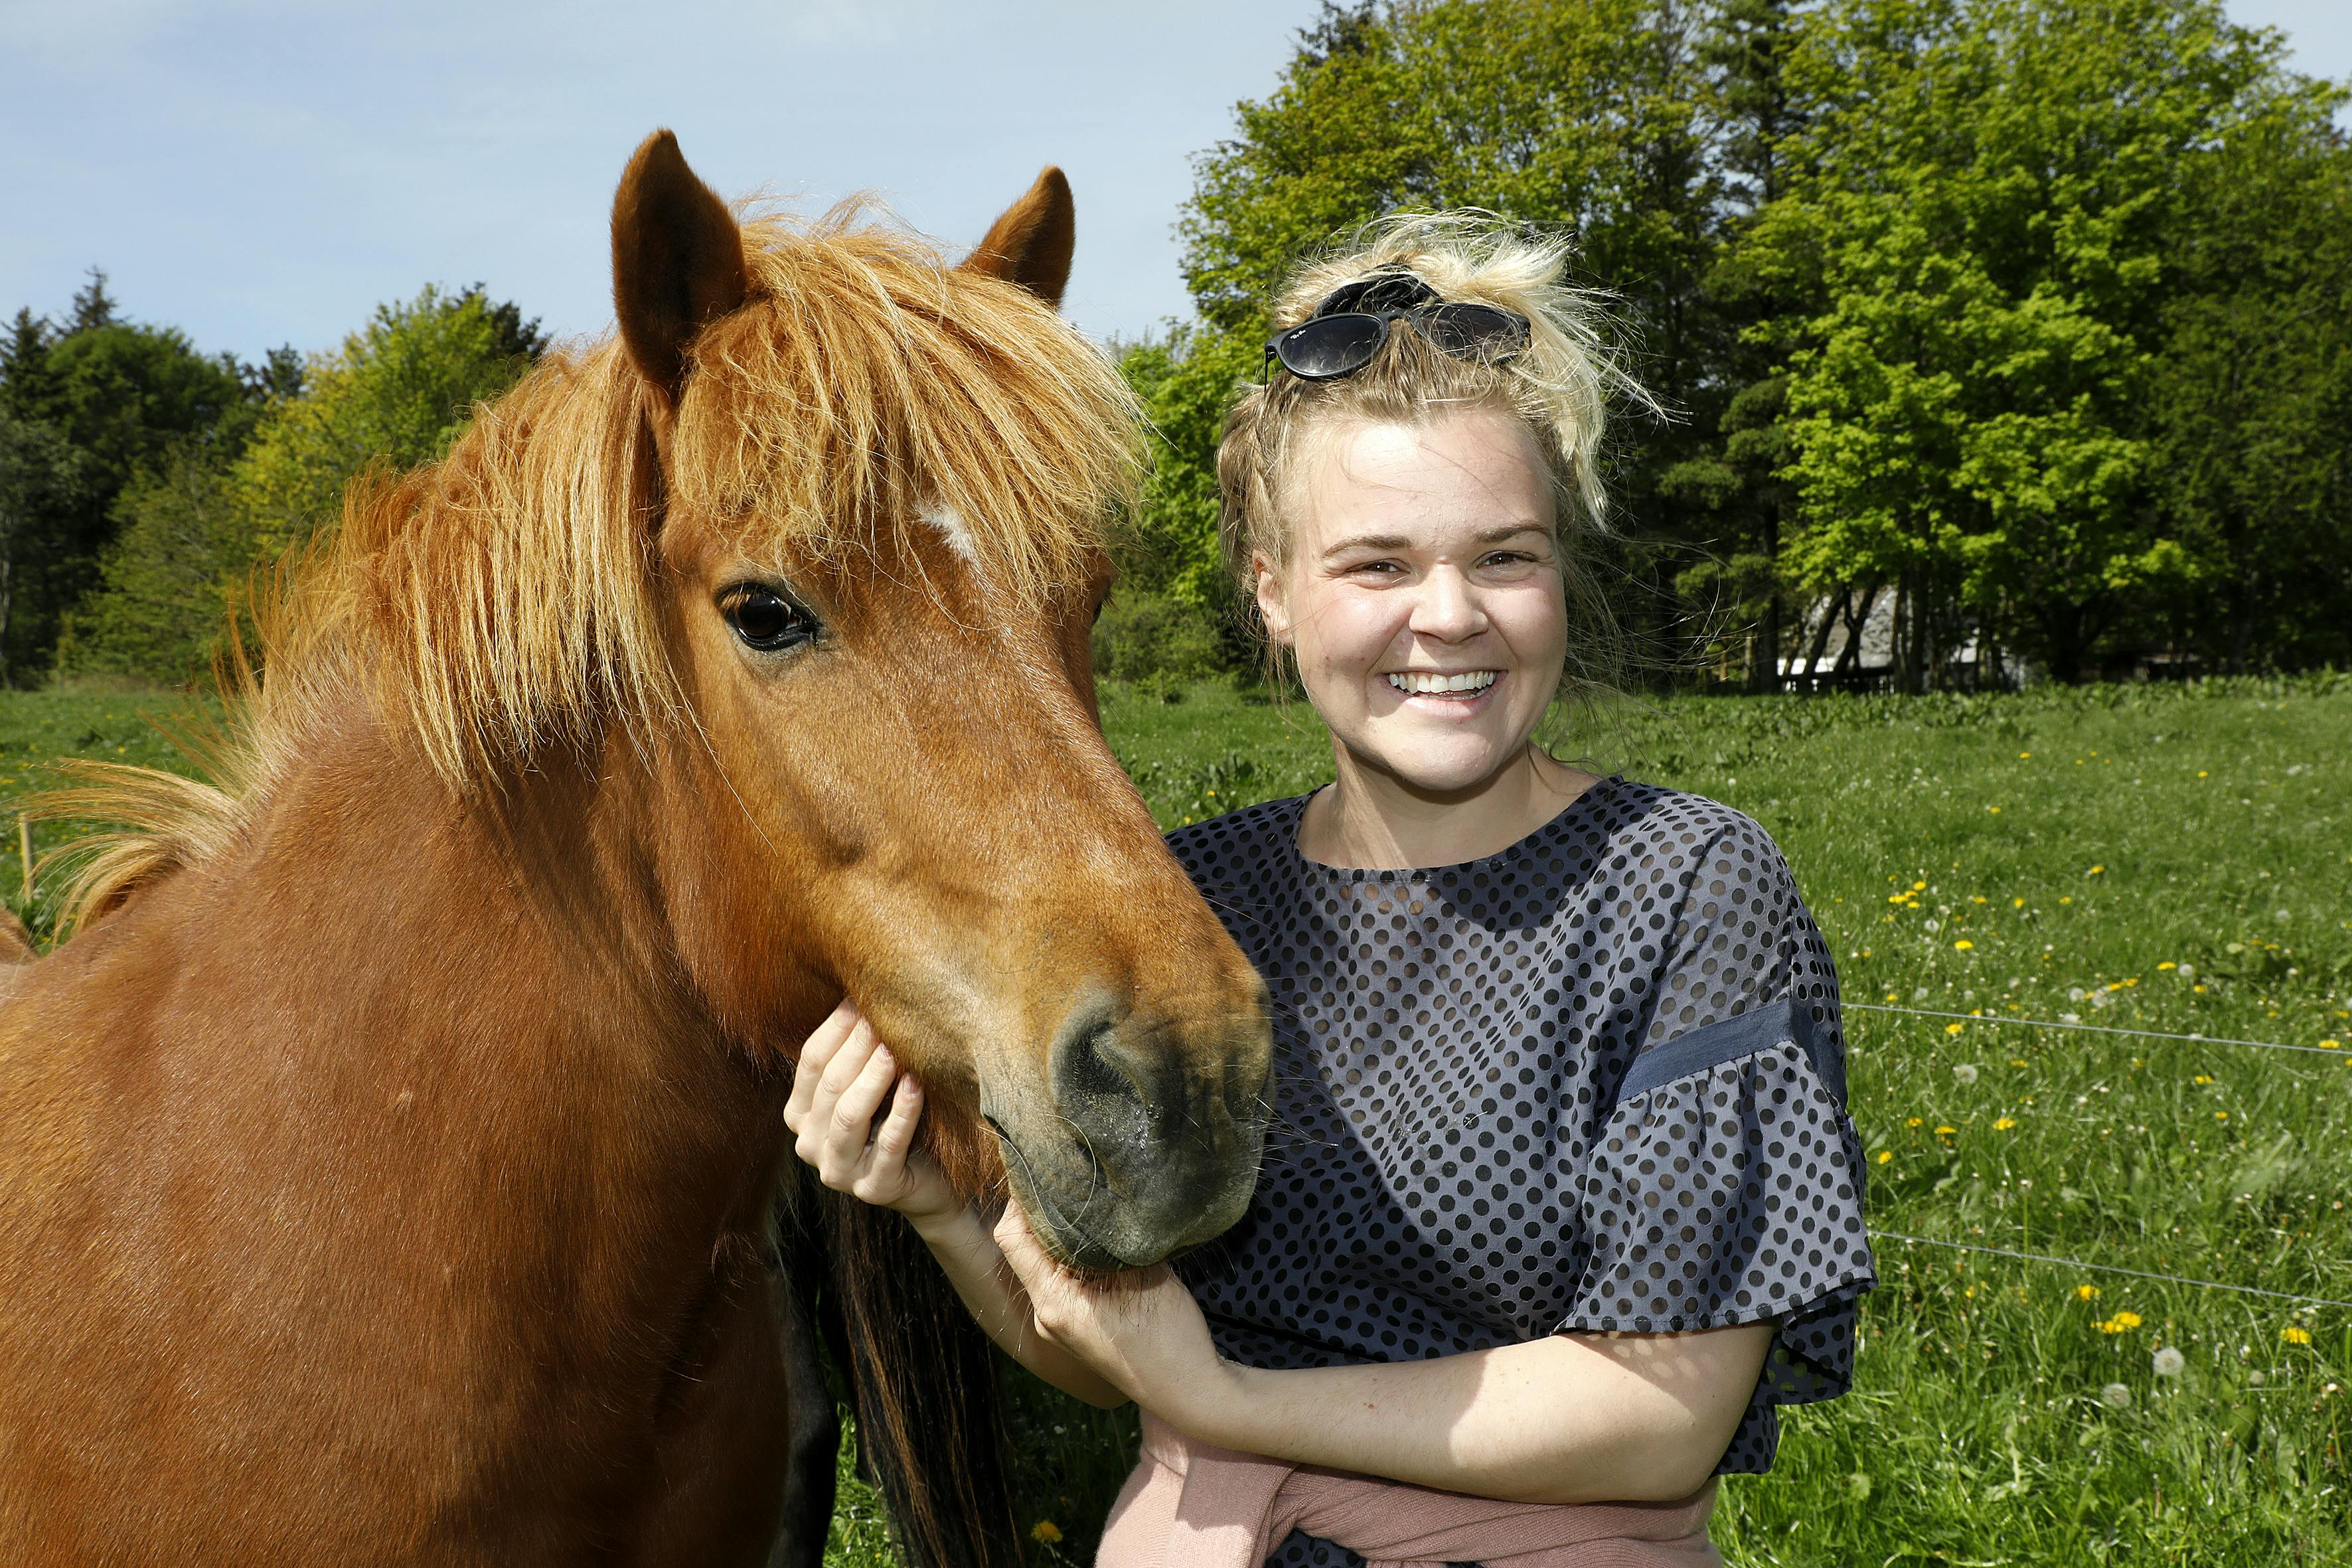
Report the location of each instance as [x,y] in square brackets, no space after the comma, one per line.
[1593,1082]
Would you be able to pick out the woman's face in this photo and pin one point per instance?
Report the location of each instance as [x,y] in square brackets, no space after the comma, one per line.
[1423,597]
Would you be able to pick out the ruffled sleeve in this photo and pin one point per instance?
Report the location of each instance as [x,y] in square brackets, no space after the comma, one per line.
[1726,1187]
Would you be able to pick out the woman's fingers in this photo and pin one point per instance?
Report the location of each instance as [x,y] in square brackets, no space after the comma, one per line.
[817,1054]
[852,1112]
[895,1136]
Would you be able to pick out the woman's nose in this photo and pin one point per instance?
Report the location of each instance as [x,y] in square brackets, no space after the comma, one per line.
[1446,609]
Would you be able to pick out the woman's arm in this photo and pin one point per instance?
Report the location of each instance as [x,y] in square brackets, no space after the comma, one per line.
[839,1084]
[1570,1418]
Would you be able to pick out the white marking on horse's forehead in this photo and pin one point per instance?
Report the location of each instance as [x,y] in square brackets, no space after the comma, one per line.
[953,528]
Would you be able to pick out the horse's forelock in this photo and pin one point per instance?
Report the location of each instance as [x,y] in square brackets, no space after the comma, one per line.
[868,386]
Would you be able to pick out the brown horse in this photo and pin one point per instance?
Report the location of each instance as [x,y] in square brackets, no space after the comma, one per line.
[386,1163]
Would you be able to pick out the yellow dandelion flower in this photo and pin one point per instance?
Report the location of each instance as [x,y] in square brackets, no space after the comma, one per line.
[2023,755]
[2017,1061]
[1954,1028]
[2125,1320]
[1963,945]
[2004,1125]
[1994,809]
[2086,1293]
[1916,1122]
[1046,1530]
[2198,989]
[2202,1078]
[2067,900]
[2097,870]
[1918,887]
[2200,772]
[2331,1045]
[1946,1132]
[2017,903]
[1885,1155]
[2221,1116]
[2295,1335]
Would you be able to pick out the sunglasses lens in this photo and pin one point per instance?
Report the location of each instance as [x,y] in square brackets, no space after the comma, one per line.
[1330,346]
[1474,330]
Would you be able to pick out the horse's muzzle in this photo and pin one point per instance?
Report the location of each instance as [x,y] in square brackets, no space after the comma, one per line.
[1153,1139]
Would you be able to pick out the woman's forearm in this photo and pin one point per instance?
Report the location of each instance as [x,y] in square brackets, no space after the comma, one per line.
[1572,1418]
[977,1268]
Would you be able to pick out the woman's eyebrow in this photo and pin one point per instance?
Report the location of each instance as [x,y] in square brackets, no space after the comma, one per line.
[1399,542]
[1366,542]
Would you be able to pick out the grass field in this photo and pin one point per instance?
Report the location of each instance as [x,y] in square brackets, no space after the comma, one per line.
[2169,859]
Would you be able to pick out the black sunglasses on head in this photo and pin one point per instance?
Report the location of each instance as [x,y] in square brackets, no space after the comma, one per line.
[1349,326]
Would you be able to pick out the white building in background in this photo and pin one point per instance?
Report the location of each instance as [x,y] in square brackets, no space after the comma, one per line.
[1873,643]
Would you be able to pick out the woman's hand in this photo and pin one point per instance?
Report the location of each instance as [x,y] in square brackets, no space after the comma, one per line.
[840,1082]
[1141,1331]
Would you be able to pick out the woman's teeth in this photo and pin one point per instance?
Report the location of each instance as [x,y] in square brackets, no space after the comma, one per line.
[1427,683]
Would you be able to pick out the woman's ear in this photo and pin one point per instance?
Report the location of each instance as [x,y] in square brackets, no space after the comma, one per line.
[1273,604]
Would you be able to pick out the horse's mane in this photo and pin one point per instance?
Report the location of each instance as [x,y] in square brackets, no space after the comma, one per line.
[499,602]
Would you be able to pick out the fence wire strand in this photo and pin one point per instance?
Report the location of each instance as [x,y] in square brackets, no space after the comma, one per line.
[2097,1028]
[2107,1268]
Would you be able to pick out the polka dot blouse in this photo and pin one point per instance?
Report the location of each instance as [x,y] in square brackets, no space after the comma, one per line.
[1593,1082]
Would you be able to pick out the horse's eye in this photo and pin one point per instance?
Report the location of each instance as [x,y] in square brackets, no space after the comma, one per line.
[765,620]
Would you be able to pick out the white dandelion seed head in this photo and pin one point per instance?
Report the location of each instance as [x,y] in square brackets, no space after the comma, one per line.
[2074,993]
[2101,999]
[2187,971]
[1935,926]
[2283,915]
[2070,1017]
[2168,1362]
[2116,1396]
[1921,995]
[1966,1072]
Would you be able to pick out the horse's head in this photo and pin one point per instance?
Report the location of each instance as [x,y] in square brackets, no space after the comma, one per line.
[878,522]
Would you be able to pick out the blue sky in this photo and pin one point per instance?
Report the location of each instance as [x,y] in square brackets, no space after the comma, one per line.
[260,173]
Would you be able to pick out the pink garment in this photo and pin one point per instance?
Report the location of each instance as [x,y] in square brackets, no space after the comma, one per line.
[1189,1505]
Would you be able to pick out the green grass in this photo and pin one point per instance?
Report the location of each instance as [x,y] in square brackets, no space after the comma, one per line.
[2208,828]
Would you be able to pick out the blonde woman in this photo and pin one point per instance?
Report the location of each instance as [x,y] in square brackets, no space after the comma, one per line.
[1563,1200]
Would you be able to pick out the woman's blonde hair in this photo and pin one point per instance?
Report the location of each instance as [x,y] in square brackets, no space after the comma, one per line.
[1560,385]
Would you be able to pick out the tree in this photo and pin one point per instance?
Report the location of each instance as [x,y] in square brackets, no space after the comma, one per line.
[118,394]
[2251,394]
[1984,216]
[202,519]
[40,477]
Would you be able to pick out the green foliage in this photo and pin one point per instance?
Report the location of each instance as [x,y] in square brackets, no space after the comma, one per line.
[1985,225]
[194,528]
[118,395]
[162,603]
[1185,382]
[1147,637]
[396,393]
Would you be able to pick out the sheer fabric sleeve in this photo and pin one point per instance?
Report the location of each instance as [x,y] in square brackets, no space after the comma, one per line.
[1726,1187]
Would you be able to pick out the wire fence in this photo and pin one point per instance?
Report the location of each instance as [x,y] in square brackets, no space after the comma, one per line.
[2099,1029]
[2105,1267]
[2076,1262]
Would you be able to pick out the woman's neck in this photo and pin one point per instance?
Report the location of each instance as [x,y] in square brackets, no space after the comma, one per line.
[1371,819]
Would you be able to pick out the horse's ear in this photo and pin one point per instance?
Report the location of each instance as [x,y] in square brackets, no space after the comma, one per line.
[1030,245]
[677,260]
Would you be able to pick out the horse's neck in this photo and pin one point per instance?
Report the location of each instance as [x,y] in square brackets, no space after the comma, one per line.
[468,1012]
